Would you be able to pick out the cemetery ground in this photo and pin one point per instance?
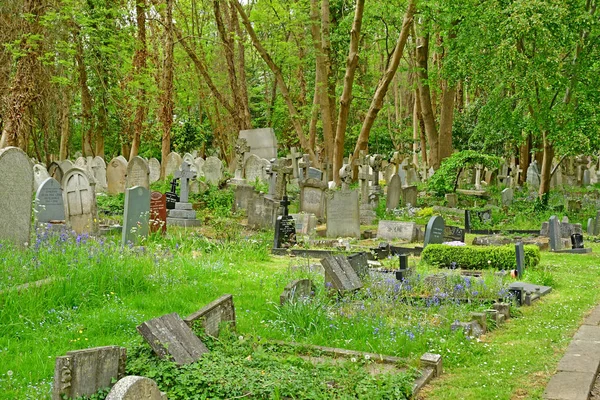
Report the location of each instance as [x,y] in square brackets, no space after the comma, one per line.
[92,292]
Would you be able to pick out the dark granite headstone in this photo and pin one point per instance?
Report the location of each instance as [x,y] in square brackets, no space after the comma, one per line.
[171,196]
[158,212]
[285,228]
[554,234]
[454,234]
[468,220]
[520,255]
[434,233]
[577,241]
[340,275]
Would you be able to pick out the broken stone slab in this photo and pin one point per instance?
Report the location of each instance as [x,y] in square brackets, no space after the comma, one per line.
[222,310]
[340,274]
[136,388]
[297,289]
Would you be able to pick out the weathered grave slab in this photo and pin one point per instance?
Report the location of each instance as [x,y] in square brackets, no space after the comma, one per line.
[300,288]
[359,263]
[394,230]
[262,142]
[49,204]
[343,219]
[136,215]
[116,171]
[135,388]
[211,316]
[16,192]
[394,192]
[138,173]
[154,168]
[172,163]
[340,274]
[80,201]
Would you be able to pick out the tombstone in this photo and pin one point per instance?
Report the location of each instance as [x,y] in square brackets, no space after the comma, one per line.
[587,179]
[295,156]
[409,196]
[172,196]
[39,175]
[241,148]
[97,166]
[170,337]
[183,214]
[154,168]
[394,192]
[298,289]
[173,163]
[49,204]
[213,315]
[136,215]
[84,372]
[138,173]
[343,218]
[66,166]
[412,178]
[363,177]
[451,200]
[388,172]
[533,175]
[454,234]
[402,173]
[55,171]
[80,201]
[394,230]
[340,275]
[285,228]
[262,211]
[554,234]
[312,197]
[135,388]
[242,195]
[590,226]
[16,192]
[256,168]
[213,170]
[81,163]
[262,142]
[375,162]
[116,171]
[507,197]
[434,232]
[306,224]
[315,173]
[359,263]
[283,170]
[158,213]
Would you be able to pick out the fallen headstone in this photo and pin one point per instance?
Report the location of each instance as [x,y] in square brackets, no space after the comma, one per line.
[211,316]
[135,388]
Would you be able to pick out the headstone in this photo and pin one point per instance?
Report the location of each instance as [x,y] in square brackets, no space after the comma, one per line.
[169,336]
[305,223]
[213,315]
[136,215]
[298,289]
[84,372]
[533,175]
[410,196]
[66,166]
[80,202]
[173,163]
[49,204]
[138,173]
[285,228]
[199,163]
[434,232]
[394,191]
[315,173]
[394,230]
[312,197]
[241,148]
[262,211]
[554,234]
[364,177]
[116,171]
[55,171]
[98,169]
[242,195]
[256,168]
[158,212]
[343,219]
[359,263]
[16,192]
[597,224]
[154,167]
[262,142]
[283,170]
[388,172]
[340,275]
[295,156]
[39,175]
[172,196]
[213,170]
[507,197]
[451,200]
[587,179]
[183,214]
[135,388]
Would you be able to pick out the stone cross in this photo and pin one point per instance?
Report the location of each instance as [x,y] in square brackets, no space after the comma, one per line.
[478,169]
[283,171]
[284,206]
[304,165]
[364,176]
[241,148]
[396,159]
[375,163]
[346,176]
[184,174]
[295,156]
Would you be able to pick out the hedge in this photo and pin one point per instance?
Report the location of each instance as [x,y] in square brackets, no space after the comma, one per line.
[478,257]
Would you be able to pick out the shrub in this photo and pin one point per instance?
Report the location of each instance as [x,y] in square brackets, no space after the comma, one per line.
[478,257]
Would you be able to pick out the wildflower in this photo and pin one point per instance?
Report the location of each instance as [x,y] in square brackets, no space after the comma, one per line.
[367,357]
[9,373]
[353,359]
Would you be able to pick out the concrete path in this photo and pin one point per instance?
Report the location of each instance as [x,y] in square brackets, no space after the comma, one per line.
[577,370]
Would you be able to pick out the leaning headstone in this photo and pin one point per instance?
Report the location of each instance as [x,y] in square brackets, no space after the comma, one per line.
[343,218]
[154,167]
[554,233]
[213,315]
[135,388]
[116,172]
[213,170]
[298,289]
[84,372]
[434,232]
[397,230]
[409,195]
[451,200]
[173,163]
[80,201]
[312,197]
[340,275]
[98,169]
[138,173]
[39,175]
[262,211]
[394,192]
[16,192]
[55,171]
[169,336]
[507,197]
[158,212]
[49,204]
[136,215]
[262,142]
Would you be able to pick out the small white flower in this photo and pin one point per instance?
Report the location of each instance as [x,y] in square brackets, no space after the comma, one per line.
[367,357]
[241,338]
[9,373]
[353,359]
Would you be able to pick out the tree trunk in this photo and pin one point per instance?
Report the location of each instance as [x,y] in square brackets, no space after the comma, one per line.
[86,100]
[384,82]
[241,68]
[139,65]
[166,109]
[65,114]
[546,172]
[446,118]
[346,98]
[427,113]
[524,159]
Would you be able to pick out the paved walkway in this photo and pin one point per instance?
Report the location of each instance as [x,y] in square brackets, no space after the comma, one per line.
[577,370]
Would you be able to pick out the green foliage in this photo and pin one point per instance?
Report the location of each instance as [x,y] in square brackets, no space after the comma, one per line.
[478,257]
[445,178]
[110,204]
[218,201]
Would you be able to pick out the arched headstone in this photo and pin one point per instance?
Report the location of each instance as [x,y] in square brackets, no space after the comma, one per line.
[138,173]
[173,161]
[56,171]
[135,388]
[213,170]
[80,201]
[115,175]
[49,203]
[98,169]
[154,166]
[40,174]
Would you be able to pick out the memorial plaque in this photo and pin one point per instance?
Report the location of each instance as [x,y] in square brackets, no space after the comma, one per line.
[158,212]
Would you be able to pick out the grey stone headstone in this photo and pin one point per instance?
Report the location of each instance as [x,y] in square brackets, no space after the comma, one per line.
[80,201]
[213,170]
[49,204]
[56,171]
[343,218]
[136,216]
[154,167]
[507,197]
[315,173]
[84,372]
[242,195]
[520,256]
[298,289]
[116,172]
[394,192]
[597,224]
[16,192]
[434,232]
[388,172]
[340,275]
[262,211]
[262,142]
[554,233]
[170,336]
[256,168]
[211,316]
[590,226]
[98,169]
[135,388]
[39,175]
[66,165]
[138,173]
[451,200]
[173,163]
[410,195]
[199,163]
[394,230]
[587,179]
[312,197]
[533,175]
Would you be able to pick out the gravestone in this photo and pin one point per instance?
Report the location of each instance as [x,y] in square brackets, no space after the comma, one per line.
[241,148]
[183,214]
[49,204]
[262,211]
[98,168]
[520,258]
[80,201]
[213,315]
[312,197]
[116,171]
[55,171]
[305,223]
[393,230]
[315,173]
[340,275]
[507,197]
[256,168]
[84,372]
[199,163]
[409,195]
[298,289]
[173,163]
[343,219]
[533,175]
[451,200]
[295,156]
[172,196]
[136,215]
[213,170]
[359,263]
[154,168]
[587,178]
[554,234]
[242,195]
[158,212]
[66,166]
[135,388]
[597,224]
[454,234]
[262,142]
[16,192]
[170,337]
[388,172]
[394,192]
[138,173]
[285,228]
[283,170]
[39,175]
[434,232]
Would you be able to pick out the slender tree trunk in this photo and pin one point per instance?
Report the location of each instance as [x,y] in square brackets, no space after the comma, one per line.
[446,118]
[524,159]
[166,109]
[241,68]
[139,65]
[102,126]
[65,130]
[546,167]
[346,98]
[384,82]
[427,112]
[314,114]
[87,127]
